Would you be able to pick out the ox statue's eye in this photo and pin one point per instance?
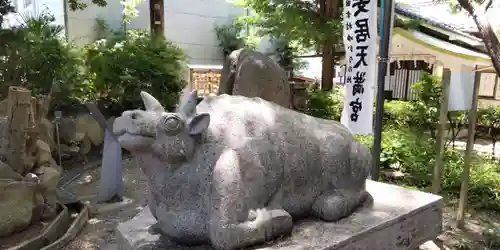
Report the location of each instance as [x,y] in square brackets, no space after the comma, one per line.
[172,124]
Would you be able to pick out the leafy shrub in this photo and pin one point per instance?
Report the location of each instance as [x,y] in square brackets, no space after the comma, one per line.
[408,152]
[126,63]
[399,112]
[428,90]
[426,108]
[489,116]
[35,56]
[326,104]
[414,155]
[406,148]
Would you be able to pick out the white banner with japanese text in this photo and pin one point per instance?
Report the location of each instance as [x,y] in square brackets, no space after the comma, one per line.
[360,40]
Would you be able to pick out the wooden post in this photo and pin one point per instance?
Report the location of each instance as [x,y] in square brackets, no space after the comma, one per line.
[18,112]
[33,131]
[440,150]
[462,202]
[156,17]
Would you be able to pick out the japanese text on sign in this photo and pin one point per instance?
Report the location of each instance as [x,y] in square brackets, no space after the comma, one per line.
[360,37]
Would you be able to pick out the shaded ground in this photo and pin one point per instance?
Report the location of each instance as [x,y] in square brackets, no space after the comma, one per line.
[482,231]
[99,231]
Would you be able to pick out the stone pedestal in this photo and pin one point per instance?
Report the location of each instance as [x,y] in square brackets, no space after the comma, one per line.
[396,218]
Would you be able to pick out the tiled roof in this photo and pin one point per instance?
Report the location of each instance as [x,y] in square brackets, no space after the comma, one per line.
[437,14]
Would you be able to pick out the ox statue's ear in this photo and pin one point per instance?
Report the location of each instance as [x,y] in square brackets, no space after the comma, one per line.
[150,103]
[187,102]
[199,124]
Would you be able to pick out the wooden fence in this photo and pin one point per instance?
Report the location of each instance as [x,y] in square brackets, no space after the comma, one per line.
[403,75]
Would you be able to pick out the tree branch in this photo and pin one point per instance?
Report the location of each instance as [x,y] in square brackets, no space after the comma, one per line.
[488,35]
[487,5]
[466,4]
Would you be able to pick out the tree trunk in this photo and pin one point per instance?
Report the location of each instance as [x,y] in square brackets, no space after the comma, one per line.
[156,17]
[487,33]
[330,7]
[327,67]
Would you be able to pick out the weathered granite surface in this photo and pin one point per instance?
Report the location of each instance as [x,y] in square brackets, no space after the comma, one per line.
[253,74]
[396,218]
[235,171]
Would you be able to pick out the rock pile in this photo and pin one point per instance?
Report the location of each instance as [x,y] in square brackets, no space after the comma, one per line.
[79,134]
[28,173]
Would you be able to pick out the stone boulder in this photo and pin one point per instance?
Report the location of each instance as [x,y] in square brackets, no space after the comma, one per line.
[82,131]
[7,173]
[252,74]
[70,130]
[20,204]
[47,133]
[49,178]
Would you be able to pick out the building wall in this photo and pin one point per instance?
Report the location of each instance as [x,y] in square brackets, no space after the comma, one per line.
[188,23]
[402,46]
[22,9]
[191,23]
[82,25]
[55,7]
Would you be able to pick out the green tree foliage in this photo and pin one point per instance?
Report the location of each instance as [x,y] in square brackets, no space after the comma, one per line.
[129,11]
[232,36]
[126,63]
[286,52]
[313,24]
[35,57]
[295,20]
[5,8]
[81,5]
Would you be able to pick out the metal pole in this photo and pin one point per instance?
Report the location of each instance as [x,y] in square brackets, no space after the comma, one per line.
[385,28]
[57,120]
[66,20]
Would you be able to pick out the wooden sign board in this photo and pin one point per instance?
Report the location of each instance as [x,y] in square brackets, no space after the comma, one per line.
[206,81]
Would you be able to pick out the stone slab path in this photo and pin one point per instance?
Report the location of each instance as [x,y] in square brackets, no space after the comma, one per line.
[482,146]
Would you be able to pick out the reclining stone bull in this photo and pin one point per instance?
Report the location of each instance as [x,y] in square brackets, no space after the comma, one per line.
[235,171]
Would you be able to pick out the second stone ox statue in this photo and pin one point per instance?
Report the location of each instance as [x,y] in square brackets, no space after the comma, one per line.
[235,171]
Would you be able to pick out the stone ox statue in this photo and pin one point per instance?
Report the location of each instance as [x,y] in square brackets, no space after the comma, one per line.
[233,171]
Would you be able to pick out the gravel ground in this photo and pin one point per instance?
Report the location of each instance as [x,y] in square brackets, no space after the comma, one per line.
[99,230]
[474,236]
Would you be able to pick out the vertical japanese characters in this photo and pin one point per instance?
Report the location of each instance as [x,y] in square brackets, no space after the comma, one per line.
[360,37]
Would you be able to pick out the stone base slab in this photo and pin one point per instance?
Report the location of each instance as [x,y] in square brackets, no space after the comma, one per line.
[396,218]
